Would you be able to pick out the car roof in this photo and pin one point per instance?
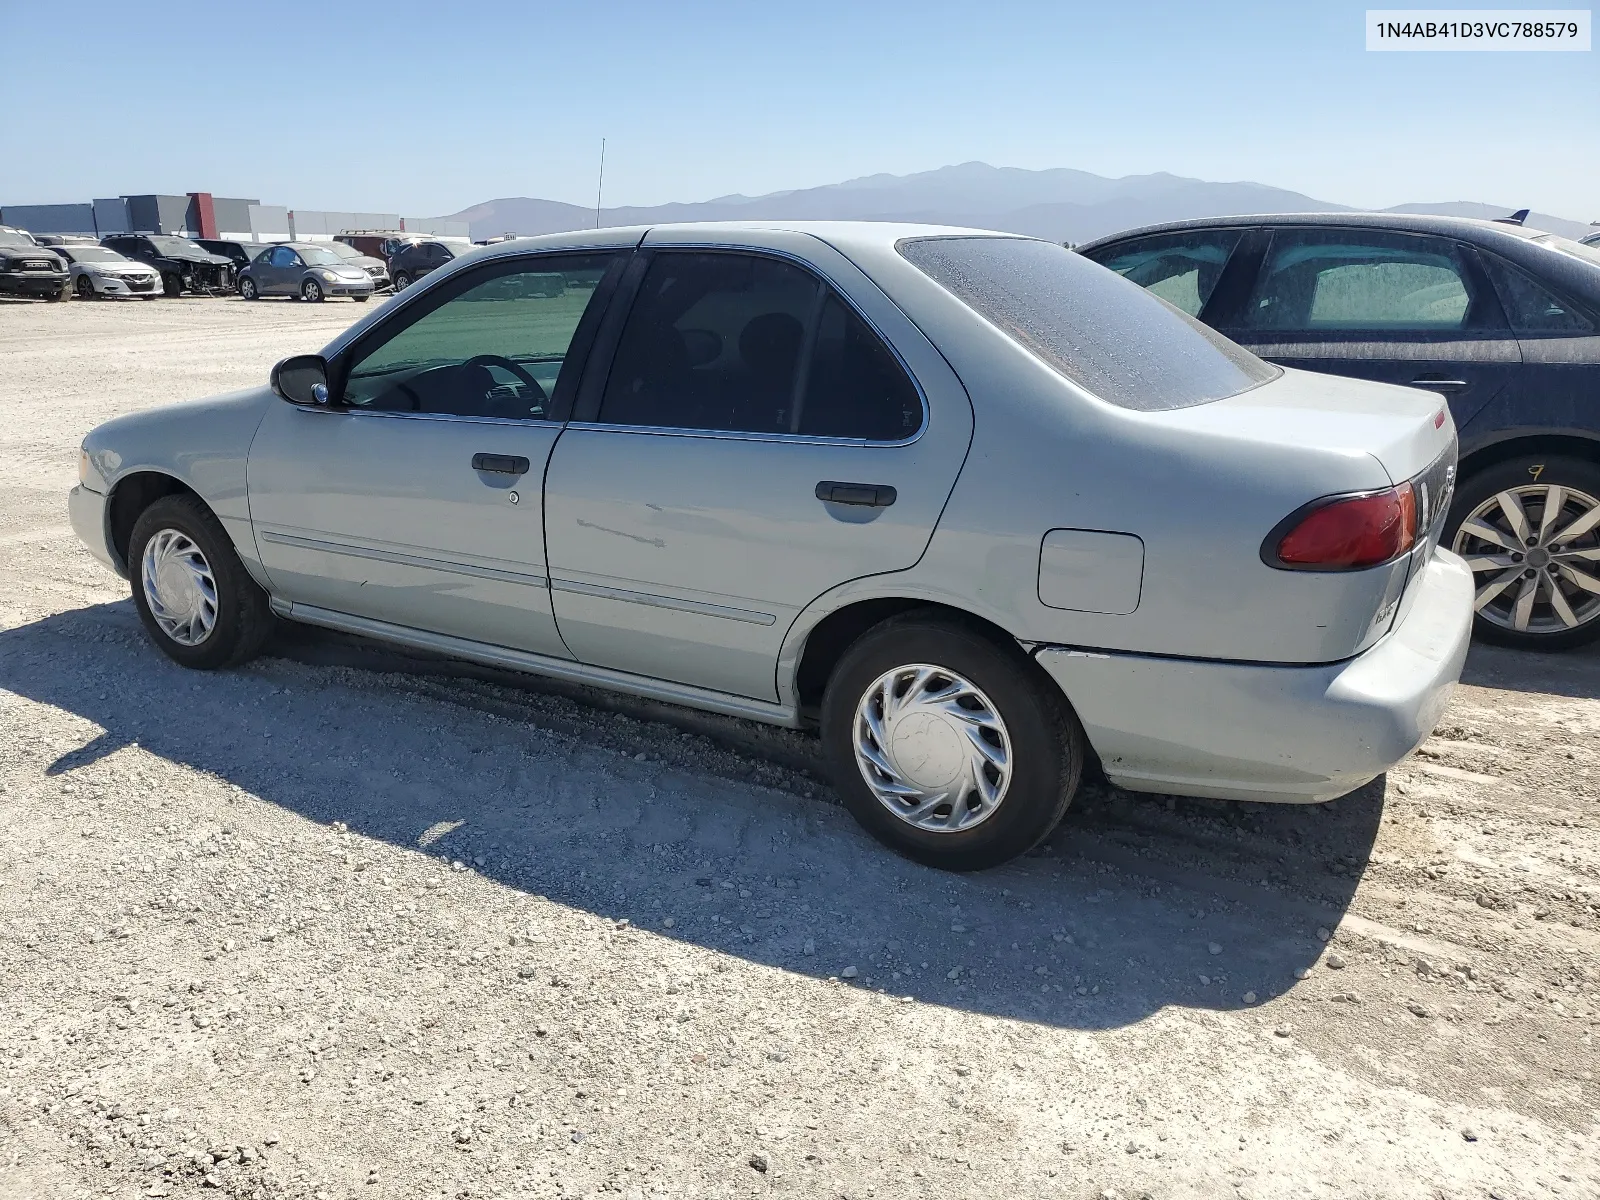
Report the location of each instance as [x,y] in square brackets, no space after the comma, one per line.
[1467,228]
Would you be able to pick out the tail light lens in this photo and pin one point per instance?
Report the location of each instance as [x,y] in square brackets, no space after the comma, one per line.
[1345,533]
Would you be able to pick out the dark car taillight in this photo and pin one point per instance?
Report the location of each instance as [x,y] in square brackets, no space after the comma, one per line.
[1345,533]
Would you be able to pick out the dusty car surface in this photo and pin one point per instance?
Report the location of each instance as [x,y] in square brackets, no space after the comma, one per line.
[980,510]
[184,265]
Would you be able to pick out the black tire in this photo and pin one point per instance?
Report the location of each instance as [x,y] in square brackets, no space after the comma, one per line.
[58,297]
[243,618]
[402,281]
[312,290]
[171,285]
[1580,481]
[1047,742]
[248,289]
[84,287]
[361,299]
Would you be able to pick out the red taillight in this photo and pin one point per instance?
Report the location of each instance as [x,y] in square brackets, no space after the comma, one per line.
[1345,535]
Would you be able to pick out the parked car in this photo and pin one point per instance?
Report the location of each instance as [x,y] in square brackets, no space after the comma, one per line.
[1503,321]
[240,254]
[65,239]
[413,260]
[29,269]
[973,506]
[377,270]
[376,243]
[1592,240]
[304,270]
[184,265]
[100,271]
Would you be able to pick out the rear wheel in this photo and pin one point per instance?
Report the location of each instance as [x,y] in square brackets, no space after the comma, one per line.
[248,289]
[84,287]
[197,602]
[311,290]
[1529,529]
[948,748]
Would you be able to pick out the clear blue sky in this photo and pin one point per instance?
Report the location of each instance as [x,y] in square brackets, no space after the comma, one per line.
[425,109]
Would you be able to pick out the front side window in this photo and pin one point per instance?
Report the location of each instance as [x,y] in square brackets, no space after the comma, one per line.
[283,257]
[494,348]
[1181,268]
[747,344]
[1529,305]
[1107,335]
[1348,280]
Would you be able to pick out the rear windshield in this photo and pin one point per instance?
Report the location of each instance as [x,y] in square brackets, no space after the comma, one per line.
[1109,336]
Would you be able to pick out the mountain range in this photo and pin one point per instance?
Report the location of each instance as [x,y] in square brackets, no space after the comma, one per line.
[1061,204]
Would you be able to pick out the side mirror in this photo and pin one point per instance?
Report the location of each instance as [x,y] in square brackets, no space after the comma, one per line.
[302,379]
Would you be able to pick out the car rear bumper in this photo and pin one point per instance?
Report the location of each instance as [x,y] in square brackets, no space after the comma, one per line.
[32,283]
[87,511]
[1243,731]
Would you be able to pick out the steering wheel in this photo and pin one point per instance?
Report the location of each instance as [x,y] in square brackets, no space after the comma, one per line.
[505,364]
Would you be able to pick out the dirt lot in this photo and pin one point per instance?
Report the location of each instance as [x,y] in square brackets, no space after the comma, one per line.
[345,924]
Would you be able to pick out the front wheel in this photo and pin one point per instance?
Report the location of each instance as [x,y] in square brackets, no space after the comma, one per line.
[950,749]
[197,602]
[1529,529]
[402,281]
[362,299]
[248,289]
[84,287]
[171,285]
[311,290]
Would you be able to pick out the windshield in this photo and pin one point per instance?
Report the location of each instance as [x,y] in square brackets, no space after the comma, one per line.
[177,245]
[1581,250]
[15,237]
[316,256]
[1107,335]
[86,254]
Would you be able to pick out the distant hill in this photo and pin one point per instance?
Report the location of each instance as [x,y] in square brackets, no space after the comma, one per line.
[1061,204]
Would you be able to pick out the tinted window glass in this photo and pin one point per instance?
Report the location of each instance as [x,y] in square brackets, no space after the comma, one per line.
[495,349]
[1336,280]
[1181,268]
[1105,334]
[719,342]
[282,257]
[1529,306]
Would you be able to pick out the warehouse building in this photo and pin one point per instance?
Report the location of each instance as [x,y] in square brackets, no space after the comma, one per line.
[200,214]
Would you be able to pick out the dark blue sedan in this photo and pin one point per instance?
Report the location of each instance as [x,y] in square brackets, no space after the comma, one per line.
[1503,321]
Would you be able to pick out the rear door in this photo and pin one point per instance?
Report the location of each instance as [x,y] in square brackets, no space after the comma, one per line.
[759,439]
[1402,308]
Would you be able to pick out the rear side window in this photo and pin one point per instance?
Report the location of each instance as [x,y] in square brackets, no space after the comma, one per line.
[1530,306]
[1107,335]
[1338,280]
[747,344]
[1181,268]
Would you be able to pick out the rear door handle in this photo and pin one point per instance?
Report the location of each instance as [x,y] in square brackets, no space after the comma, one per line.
[500,464]
[1439,385]
[868,495]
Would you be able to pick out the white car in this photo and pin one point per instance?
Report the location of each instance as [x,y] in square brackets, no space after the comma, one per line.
[101,271]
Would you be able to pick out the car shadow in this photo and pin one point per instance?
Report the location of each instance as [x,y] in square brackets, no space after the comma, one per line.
[1134,905]
[1571,673]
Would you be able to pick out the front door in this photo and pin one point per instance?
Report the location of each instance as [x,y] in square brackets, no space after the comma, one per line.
[756,444]
[414,498]
[1402,308]
[276,274]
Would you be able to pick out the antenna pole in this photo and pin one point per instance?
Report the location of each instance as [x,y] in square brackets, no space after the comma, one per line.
[600,187]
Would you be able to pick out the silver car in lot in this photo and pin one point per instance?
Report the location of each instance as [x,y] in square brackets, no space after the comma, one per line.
[100,271]
[982,512]
[305,270]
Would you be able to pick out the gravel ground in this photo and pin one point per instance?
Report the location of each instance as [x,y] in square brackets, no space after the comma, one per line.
[351,923]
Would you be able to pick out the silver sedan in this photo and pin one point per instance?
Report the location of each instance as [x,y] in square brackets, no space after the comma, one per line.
[978,510]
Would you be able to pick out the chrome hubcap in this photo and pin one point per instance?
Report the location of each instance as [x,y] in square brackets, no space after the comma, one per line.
[932,748]
[1534,552]
[179,587]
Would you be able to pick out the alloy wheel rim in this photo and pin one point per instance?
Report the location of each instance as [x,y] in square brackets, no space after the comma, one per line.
[1534,552]
[932,748]
[179,587]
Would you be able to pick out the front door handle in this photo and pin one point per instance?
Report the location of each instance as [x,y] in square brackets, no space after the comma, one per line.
[500,464]
[869,495]
[1439,384]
